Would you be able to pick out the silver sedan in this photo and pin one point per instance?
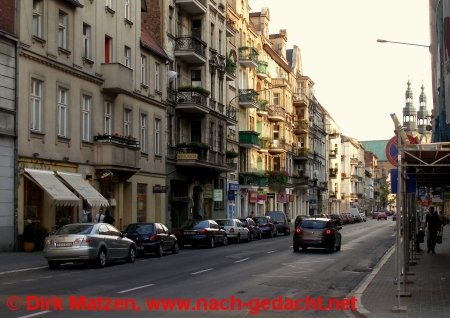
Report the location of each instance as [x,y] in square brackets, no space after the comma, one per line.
[95,243]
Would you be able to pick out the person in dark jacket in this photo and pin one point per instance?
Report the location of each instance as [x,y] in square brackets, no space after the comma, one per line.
[433,226]
[108,218]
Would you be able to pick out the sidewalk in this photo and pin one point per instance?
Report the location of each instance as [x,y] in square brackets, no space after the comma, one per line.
[429,287]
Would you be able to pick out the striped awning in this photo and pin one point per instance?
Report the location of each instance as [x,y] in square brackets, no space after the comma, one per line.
[48,181]
[76,182]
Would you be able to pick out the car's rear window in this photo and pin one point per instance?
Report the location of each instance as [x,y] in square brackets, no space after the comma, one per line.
[202,225]
[313,224]
[279,217]
[225,222]
[140,228]
[75,229]
[260,220]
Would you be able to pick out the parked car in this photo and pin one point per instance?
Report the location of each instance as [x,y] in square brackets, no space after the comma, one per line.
[318,232]
[347,218]
[298,219]
[96,243]
[202,232]
[152,238]
[235,229]
[255,231]
[281,222]
[266,225]
[337,220]
[381,215]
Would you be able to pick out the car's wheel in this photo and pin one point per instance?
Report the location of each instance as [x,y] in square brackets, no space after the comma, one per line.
[271,234]
[250,237]
[175,248]
[225,240]
[238,239]
[53,264]
[287,232]
[259,236]
[160,251]
[101,258]
[338,248]
[304,248]
[212,242]
[331,248]
[296,248]
[131,255]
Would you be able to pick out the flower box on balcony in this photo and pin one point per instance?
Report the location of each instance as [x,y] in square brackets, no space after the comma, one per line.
[194,89]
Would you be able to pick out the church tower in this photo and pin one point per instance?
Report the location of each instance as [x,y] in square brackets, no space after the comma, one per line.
[409,113]
[423,119]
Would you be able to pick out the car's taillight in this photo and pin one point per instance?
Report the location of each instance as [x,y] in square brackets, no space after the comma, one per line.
[298,231]
[204,232]
[48,242]
[327,231]
[153,237]
[85,241]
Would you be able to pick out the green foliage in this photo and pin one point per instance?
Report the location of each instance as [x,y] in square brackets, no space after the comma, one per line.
[195,89]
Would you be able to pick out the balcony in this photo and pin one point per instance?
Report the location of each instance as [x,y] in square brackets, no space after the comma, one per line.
[263,109]
[198,155]
[333,194]
[248,56]
[353,161]
[300,181]
[333,153]
[300,100]
[191,102]
[277,146]
[116,151]
[280,82]
[303,154]
[118,78]
[301,127]
[276,114]
[192,6]
[265,144]
[252,179]
[261,70]
[333,173]
[190,50]
[231,28]
[249,139]
[248,98]
[231,116]
[230,70]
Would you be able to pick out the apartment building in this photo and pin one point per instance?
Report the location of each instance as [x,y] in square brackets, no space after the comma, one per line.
[91,113]
[334,165]
[8,108]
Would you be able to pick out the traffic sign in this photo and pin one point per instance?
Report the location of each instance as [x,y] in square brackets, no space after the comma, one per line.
[392,149]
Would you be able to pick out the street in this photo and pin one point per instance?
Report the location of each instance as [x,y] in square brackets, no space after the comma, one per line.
[246,272]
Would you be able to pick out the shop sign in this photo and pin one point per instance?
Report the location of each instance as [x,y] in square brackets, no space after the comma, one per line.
[159,189]
[252,197]
[106,176]
[270,195]
[262,196]
[208,191]
[233,186]
[231,195]
[282,197]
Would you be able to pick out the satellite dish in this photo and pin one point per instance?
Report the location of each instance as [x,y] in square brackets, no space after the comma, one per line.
[172,75]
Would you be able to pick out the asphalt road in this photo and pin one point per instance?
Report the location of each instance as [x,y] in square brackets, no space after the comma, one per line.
[253,275]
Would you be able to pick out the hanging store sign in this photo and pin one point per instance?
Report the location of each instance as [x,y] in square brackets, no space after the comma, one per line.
[217,195]
[252,197]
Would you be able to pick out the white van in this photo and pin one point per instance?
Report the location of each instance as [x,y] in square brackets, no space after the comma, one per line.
[354,211]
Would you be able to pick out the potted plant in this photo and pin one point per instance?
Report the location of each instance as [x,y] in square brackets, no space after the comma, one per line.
[33,236]
[195,89]
[231,154]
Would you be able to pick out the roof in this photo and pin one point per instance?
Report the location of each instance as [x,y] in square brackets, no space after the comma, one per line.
[378,147]
[148,40]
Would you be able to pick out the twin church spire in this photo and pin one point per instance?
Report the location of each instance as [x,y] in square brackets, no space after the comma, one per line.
[416,123]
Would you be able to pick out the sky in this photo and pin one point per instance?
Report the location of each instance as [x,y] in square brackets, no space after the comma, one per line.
[359,81]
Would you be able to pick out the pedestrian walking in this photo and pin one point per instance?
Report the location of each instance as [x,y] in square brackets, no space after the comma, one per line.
[85,214]
[433,225]
[108,218]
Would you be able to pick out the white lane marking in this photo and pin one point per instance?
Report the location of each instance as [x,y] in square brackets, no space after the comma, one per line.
[23,270]
[35,314]
[269,252]
[202,271]
[135,288]
[242,260]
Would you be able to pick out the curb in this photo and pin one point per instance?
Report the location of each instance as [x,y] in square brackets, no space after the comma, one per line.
[361,311]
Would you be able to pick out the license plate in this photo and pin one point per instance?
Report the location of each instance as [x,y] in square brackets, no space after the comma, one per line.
[63,244]
[140,247]
[189,232]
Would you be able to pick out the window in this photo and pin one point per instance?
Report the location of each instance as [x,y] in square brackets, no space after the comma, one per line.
[86,41]
[107,129]
[212,39]
[86,102]
[220,138]
[127,10]
[143,70]
[196,78]
[171,25]
[127,54]
[157,136]
[221,90]
[108,4]
[127,122]
[108,49]
[157,77]
[63,112]
[144,134]
[211,136]
[36,105]
[276,98]
[37,18]
[62,30]
[141,202]
[220,41]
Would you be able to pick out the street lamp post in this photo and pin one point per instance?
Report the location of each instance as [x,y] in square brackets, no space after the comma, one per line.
[404,43]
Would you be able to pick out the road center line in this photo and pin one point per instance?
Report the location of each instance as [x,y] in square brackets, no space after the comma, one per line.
[242,260]
[202,271]
[135,288]
[269,252]
[35,314]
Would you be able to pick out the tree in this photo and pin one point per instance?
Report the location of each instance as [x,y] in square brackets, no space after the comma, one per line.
[384,194]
